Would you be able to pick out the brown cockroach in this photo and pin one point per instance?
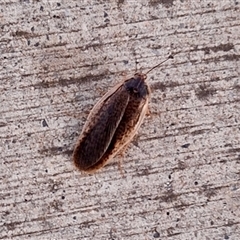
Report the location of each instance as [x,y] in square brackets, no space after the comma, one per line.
[113,122]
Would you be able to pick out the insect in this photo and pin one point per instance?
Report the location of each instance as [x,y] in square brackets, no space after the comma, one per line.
[113,122]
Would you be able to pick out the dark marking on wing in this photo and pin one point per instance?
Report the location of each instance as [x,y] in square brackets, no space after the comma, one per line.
[97,139]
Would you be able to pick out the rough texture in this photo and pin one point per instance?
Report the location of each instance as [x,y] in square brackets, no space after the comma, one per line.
[182,171]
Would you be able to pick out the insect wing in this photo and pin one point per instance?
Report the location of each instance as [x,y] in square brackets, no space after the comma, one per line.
[100,128]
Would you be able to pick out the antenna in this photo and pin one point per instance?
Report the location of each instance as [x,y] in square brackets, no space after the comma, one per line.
[169,57]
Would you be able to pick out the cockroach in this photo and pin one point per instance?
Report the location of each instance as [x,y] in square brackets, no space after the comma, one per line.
[113,122]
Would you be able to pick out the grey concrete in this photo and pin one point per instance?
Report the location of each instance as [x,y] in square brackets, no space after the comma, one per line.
[182,171]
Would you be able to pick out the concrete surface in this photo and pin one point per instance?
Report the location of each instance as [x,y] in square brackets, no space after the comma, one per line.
[182,171]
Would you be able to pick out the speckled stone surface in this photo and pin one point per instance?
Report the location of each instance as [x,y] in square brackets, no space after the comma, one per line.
[181,172]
